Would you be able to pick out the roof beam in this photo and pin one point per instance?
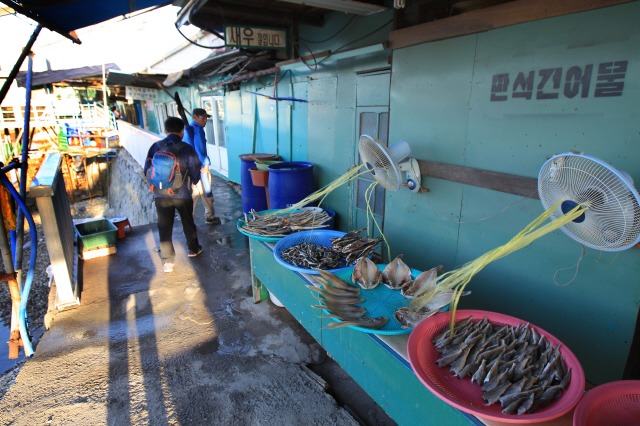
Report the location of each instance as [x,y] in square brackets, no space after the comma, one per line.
[490,18]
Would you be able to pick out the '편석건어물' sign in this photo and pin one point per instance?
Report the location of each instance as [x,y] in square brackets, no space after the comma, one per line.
[551,83]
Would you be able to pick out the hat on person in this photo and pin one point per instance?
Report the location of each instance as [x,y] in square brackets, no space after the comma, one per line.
[201,112]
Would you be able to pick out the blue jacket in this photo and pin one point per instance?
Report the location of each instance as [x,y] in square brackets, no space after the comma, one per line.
[188,160]
[194,135]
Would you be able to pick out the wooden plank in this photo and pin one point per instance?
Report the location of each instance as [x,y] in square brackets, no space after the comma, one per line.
[503,182]
[490,18]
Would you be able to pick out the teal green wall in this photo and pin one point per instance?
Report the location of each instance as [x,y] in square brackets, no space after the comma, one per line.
[281,127]
[440,104]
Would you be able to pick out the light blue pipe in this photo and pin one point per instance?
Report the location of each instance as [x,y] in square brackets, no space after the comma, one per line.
[24,296]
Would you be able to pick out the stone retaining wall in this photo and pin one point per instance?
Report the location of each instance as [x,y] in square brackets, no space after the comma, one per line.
[130,194]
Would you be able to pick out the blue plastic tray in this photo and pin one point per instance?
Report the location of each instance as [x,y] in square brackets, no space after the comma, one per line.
[319,236]
[241,225]
[380,302]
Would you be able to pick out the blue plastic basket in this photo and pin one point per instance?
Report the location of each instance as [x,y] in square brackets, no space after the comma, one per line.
[241,225]
[380,302]
[319,236]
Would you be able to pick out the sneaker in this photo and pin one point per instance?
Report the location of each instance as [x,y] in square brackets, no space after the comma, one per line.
[194,254]
[168,267]
[214,221]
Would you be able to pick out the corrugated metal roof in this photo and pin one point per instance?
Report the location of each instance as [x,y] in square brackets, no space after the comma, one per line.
[56,76]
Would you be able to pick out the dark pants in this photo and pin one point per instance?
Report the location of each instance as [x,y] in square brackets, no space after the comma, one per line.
[166,208]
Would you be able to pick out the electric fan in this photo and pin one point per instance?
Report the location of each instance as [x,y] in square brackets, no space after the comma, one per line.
[611,221]
[385,164]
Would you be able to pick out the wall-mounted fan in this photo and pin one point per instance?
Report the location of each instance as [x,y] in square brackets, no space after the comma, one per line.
[385,164]
[612,219]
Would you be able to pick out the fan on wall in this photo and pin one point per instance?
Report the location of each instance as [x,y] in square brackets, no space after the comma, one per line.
[611,221]
[386,164]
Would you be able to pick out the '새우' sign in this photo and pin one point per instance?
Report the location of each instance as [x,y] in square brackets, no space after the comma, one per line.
[141,93]
[255,37]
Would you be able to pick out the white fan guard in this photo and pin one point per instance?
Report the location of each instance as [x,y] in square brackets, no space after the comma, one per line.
[380,161]
[612,220]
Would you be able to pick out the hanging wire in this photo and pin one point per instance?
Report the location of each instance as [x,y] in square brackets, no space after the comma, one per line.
[198,44]
[327,39]
[484,218]
[338,50]
[577,266]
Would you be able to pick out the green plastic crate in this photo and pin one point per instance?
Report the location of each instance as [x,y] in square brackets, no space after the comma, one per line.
[96,233]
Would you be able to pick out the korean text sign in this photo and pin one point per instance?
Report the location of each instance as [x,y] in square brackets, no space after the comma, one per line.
[606,79]
[141,93]
[265,38]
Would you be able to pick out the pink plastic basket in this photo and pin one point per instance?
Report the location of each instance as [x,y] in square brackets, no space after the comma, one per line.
[467,396]
[613,404]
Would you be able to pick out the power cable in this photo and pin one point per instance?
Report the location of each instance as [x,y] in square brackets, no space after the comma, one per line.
[197,44]
[316,63]
[327,39]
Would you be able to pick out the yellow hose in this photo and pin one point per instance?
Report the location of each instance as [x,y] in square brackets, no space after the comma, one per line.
[459,278]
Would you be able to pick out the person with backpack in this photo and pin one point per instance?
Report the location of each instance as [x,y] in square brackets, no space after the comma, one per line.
[172,166]
[195,136]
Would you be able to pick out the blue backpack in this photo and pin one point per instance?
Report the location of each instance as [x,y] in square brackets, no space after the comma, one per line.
[164,174]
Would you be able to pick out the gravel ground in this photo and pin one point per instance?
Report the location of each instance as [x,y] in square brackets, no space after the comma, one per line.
[39,296]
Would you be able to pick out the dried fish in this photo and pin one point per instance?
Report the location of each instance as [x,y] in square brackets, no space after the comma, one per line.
[396,274]
[515,365]
[366,274]
[423,283]
[336,281]
[280,225]
[308,255]
[365,322]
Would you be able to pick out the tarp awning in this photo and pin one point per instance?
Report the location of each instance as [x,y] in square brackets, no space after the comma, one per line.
[71,15]
[56,76]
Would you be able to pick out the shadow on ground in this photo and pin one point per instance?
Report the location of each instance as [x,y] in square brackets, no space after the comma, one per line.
[188,347]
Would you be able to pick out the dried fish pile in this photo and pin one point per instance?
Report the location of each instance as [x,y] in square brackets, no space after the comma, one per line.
[515,366]
[275,226]
[340,298]
[397,276]
[308,256]
[354,247]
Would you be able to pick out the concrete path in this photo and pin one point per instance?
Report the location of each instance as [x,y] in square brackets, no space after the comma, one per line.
[189,347]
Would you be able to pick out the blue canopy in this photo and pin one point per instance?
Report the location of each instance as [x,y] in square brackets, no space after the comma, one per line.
[72,15]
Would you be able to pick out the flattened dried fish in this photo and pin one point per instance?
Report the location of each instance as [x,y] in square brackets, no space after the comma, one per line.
[481,373]
[513,407]
[423,283]
[366,274]
[396,274]
[515,365]
[493,396]
[526,405]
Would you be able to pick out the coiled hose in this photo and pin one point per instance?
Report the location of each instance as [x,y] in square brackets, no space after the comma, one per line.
[22,313]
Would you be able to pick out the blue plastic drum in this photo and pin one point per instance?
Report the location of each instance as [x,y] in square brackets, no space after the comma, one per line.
[290,183]
[253,197]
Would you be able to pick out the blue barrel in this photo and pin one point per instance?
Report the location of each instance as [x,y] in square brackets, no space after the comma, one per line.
[253,197]
[290,183]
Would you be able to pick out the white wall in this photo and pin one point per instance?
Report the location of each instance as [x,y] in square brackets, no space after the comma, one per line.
[136,140]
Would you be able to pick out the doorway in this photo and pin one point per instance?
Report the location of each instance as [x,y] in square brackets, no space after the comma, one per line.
[372,118]
[215,133]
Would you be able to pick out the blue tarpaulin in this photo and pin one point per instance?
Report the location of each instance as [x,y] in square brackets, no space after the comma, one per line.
[72,15]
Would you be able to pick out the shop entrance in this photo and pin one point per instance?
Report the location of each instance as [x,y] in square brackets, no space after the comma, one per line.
[215,132]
